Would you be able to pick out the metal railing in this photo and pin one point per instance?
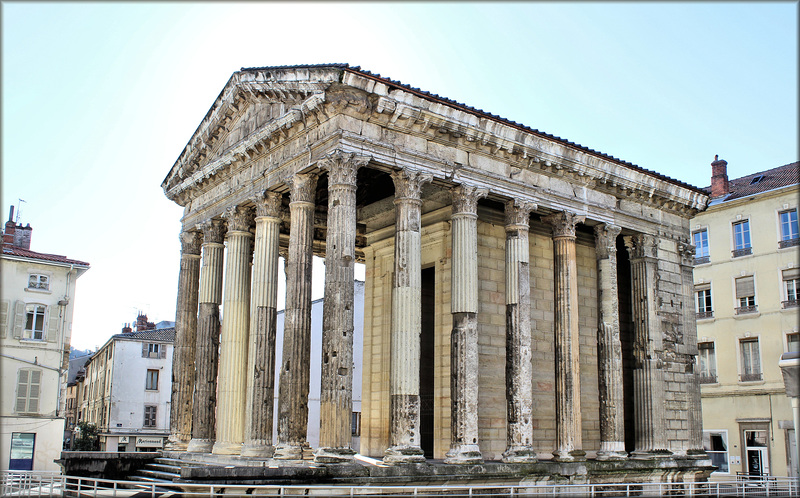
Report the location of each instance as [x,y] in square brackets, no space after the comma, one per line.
[789,243]
[743,310]
[33,484]
[744,251]
[789,303]
[701,315]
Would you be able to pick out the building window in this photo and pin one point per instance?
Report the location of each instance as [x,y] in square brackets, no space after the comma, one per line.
[791,286]
[29,383]
[708,363]
[751,360]
[793,342]
[34,322]
[700,239]
[741,239]
[746,295]
[153,350]
[704,309]
[789,232]
[716,445]
[149,416]
[42,282]
[355,424]
[151,384]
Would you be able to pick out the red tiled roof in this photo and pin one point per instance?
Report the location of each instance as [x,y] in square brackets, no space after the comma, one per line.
[27,253]
[782,176]
[428,95]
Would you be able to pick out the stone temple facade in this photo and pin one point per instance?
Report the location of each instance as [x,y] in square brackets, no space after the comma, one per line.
[527,298]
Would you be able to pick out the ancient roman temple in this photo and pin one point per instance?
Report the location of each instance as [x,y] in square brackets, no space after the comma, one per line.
[528,299]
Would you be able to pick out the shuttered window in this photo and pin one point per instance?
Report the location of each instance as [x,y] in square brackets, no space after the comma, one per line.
[791,284]
[28,387]
[746,291]
[751,360]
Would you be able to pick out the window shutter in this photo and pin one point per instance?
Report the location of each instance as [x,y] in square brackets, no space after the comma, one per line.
[19,319]
[4,318]
[33,391]
[163,350]
[144,350]
[791,274]
[22,391]
[745,287]
[52,324]
[702,287]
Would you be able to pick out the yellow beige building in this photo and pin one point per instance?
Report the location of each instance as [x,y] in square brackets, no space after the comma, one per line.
[746,279]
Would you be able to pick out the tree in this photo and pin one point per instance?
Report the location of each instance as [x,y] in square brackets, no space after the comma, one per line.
[86,438]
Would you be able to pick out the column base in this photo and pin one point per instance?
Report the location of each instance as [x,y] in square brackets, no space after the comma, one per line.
[464,454]
[569,456]
[519,454]
[403,454]
[612,450]
[650,454]
[257,450]
[200,446]
[334,455]
[286,451]
[224,448]
[176,445]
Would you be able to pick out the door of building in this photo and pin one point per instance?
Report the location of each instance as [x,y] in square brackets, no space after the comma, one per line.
[756,452]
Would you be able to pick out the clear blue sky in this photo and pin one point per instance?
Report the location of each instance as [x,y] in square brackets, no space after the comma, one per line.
[98,100]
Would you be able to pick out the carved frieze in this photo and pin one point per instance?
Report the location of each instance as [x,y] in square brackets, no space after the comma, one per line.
[408,183]
[213,231]
[563,223]
[342,167]
[465,198]
[518,213]
[191,242]
[303,187]
[268,203]
[606,239]
[239,218]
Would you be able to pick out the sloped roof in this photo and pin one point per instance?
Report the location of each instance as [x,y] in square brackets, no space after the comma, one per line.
[27,253]
[166,334]
[782,176]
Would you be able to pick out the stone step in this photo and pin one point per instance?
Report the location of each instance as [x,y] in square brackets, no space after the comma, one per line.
[157,475]
[163,467]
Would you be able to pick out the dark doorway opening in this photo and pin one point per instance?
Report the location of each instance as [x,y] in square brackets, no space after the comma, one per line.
[625,298]
[426,361]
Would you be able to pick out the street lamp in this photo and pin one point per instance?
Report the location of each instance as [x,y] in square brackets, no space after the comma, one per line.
[790,368]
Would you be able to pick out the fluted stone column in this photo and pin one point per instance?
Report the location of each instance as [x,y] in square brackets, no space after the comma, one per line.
[694,443]
[185,340]
[647,374]
[207,346]
[263,320]
[609,347]
[404,414]
[464,337]
[294,377]
[336,389]
[568,389]
[235,329]
[519,374]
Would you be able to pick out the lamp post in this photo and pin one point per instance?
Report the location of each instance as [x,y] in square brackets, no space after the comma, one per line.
[790,368]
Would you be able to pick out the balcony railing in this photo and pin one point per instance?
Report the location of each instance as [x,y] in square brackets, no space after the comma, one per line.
[708,378]
[743,310]
[751,377]
[791,303]
[742,252]
[704,314]
[789,243]
[701,260]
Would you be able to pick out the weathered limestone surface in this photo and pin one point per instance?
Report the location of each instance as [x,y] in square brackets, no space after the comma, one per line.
[406,320]
[235,328]
[519,377]
[208,325]
[185,342]
[294,377]
[609,347]
[568,401]
[263,316]
[464,339]
[336,392]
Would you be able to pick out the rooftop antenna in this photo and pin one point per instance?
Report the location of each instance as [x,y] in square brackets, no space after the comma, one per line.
[19,210]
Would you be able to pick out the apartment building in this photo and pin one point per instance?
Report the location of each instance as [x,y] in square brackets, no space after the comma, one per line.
[746,281]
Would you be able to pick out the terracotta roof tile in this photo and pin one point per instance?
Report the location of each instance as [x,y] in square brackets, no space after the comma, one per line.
[782,176]
[27,253]
[166,334]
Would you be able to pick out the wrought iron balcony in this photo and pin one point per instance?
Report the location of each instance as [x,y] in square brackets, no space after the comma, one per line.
[708,378]
[743,310]
[742,252]
[705,314]
[789,243]
[751,377]
[791,303]
[702,260]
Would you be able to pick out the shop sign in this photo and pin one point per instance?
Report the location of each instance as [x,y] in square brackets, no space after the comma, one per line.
[149,442]
[22,444]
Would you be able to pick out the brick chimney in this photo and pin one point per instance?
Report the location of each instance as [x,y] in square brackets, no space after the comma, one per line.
[22,236]
[719,177]
[142,324]
[126,329]
[10,228]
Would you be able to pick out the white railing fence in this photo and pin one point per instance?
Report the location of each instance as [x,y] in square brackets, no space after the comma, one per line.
[43,484]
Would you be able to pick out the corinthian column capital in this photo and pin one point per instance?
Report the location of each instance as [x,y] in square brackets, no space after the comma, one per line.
[239,218]
[213,231]
[465,198]
[563,223]
[303,187]
[408,183]
[518,213]
[342,167]
[687,252]
[191,242]
[606,239]
[641,245]
[268,204]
